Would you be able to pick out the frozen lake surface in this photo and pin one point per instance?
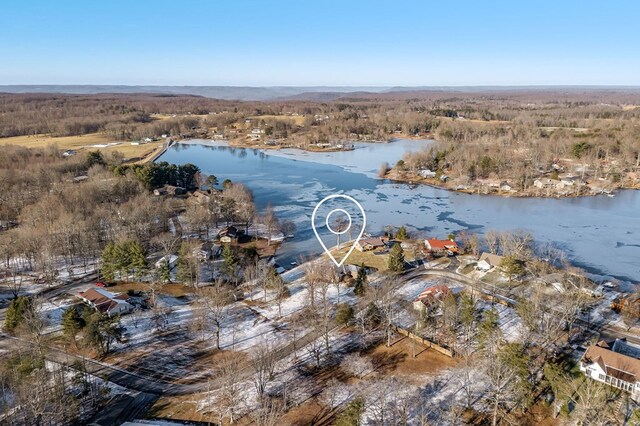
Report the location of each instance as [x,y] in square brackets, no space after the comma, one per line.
[598,233]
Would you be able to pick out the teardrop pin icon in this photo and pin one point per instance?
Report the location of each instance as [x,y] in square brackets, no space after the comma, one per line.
[339,214]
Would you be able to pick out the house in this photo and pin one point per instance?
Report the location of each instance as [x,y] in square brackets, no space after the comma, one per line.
[617,365]
[426,173]
[543,183]
[169,190]
[435,246]
[431,296]
[69,153]
[201,197]
[106,302]
[488,261]
[504,186]
[171,260]
[228,234]
[368,244]
[204,252]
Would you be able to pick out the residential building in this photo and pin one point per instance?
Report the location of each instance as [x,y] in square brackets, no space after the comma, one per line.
[106,302]
[368,244]
[430,297]
[543,183]
[489,261]
[436,246]
[617,365]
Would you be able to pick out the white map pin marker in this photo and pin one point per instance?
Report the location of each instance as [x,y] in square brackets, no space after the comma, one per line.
[339,232]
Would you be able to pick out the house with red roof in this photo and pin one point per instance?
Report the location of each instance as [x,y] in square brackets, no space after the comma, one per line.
[431,296]
[106,302]
[441,247]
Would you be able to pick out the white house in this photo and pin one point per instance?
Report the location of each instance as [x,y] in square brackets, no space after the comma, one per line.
[617,365]
[106,302]
[171,260]
[426,173]
[543,183]
[488,261]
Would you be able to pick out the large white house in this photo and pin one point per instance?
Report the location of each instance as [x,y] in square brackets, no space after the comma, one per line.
[617,365]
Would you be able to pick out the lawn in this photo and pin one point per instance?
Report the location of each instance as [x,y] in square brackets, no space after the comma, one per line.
[380,262]
[297,119]
[83,143]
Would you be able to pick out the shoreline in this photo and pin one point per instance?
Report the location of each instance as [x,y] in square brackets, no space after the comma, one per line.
[435,183]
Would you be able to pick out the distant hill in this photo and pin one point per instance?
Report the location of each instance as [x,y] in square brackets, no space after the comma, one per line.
[217,92]
[329,93]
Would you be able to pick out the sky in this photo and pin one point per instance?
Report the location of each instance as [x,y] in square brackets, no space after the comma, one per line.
[320,42]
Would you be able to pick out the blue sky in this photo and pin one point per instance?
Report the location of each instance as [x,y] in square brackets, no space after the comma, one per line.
[321,42]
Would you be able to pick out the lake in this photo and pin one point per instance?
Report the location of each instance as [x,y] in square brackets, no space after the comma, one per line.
[597,233]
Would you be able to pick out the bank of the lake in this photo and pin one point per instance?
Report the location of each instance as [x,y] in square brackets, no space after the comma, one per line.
[599,233]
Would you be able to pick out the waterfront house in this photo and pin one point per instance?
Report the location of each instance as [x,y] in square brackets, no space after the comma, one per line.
[488,261]
[442,247]
[617,365]
[368,244]
[543,183]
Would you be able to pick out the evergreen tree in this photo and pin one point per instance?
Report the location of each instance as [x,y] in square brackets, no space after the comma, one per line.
[164,272]
[512,266]
[489,330]
[467,312]
[352,413]
[402,233]
[72,322]
[360,287]
[344,314]
[95,157]
[16,313]
[101,331]
[229,261]
[396,259]
[108,267]
[188,264]
[136,259]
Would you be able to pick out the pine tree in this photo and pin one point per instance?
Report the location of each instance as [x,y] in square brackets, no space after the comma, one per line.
[137,259]
[396,259]
[16,313]
[229,261]
[108,262]
[489,330]
[344,313]
[467,312]
[360,287]
[352,413]
[402,233]
[164,272]
[512,266]
[72,322]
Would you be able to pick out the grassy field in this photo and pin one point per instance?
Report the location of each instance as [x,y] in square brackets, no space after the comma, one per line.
[89,142]
[297,119]
[380,262]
